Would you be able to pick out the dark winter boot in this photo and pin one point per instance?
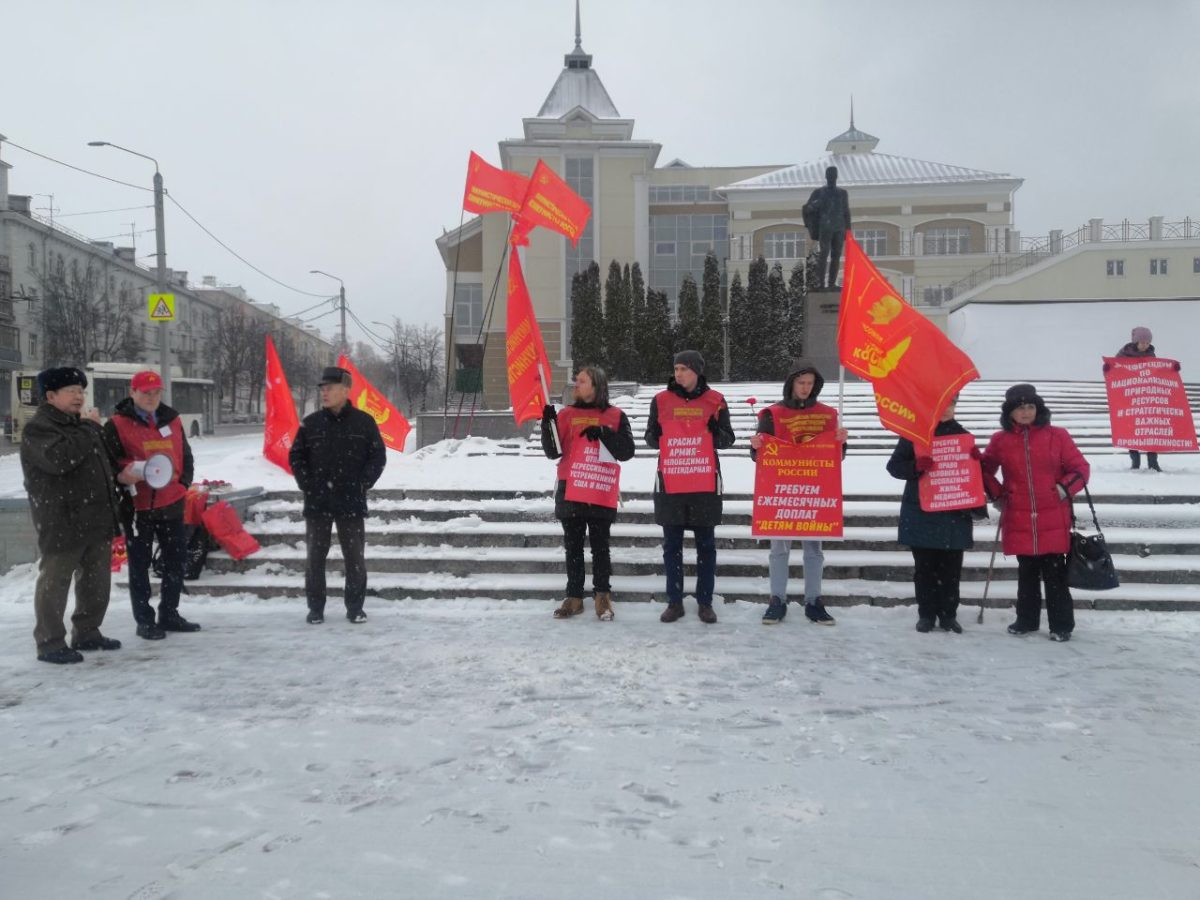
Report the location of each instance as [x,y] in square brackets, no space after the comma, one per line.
[99,642]
[817,615]
[572,606]
[1152,462]
[173,621]
[61,656]
[951,625]
[924,625]
[673,613]
[707,614]
[775,612]
[1135,459]
[150,632]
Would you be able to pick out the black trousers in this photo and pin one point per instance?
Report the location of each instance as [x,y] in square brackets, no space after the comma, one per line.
[936,574]
[1151,459]
[597,531]
[139,544]
[352,538]
[1034,571]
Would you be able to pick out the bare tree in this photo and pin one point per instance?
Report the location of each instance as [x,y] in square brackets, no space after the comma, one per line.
[417,363]
[86,313]
[230,348]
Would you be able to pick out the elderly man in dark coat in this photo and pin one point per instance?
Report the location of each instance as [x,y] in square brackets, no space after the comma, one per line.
[75,508]
[337,457]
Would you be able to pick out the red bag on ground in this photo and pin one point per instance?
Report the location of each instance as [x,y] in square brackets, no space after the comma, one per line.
[194,504]
[222,522]
[119,554]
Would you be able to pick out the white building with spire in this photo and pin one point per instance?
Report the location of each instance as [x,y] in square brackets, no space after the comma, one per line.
[939,231]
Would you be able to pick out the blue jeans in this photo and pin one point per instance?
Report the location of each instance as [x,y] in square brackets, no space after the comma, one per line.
[706,562]
[814,565]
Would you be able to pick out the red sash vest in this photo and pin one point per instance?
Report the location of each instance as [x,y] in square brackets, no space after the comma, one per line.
[574,419]
[797,425]
[140,441]
[672,407]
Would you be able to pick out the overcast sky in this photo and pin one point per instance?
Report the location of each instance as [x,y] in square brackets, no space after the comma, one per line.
[317,135]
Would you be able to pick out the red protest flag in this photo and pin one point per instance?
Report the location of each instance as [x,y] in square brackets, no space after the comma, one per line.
[492,190]
[393,427]
[281,422]
[550,202]
[914,368]
[525,354]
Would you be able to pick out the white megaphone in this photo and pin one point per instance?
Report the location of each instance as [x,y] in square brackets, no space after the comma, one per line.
[157,470]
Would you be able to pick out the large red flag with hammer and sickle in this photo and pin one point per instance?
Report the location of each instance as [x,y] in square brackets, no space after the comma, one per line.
[492,190]
[551,203]
[915,369]
[524,348]
[393,427]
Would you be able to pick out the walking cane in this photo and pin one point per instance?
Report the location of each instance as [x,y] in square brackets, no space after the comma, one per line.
[987,584]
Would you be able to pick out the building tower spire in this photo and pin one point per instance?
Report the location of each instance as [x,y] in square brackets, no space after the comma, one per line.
[577,59]
[851,112]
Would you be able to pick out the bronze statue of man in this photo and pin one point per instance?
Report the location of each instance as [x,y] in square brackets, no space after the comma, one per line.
[827,218]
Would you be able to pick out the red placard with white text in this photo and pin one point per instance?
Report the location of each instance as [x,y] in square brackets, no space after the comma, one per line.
[687,459]
[1148,406]
[798,489]
[589,478]
[955,481]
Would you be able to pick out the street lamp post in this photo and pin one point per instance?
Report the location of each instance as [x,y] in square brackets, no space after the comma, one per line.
[342,296]
[160,244]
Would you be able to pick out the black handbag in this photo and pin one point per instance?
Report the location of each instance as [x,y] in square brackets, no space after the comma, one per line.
[1089,564]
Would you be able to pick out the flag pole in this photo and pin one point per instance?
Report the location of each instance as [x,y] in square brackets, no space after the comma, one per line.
[546,397]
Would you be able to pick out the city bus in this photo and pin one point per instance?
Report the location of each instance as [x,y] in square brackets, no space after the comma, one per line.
[108,384]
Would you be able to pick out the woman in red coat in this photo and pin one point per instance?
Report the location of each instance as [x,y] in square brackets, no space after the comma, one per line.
[1041,469]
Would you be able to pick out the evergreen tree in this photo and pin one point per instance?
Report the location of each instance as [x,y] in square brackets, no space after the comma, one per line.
[758,322]
[687,332]
[641,329]
[659,351]
[741,337]
[797,291]
[587,320]
[776,350]
[618,324]
[712,344]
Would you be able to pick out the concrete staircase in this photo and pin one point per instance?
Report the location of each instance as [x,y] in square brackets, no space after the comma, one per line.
[507,545]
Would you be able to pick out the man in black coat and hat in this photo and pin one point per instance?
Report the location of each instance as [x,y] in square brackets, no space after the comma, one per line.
[337,457]
[75,508]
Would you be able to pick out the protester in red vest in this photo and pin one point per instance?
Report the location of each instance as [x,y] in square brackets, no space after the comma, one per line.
[590,420]
[1042,469]
[140,427]
[1140,346]
[688,424]
[798,418]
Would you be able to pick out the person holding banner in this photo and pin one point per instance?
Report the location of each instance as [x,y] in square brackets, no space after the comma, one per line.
[1042,469]
[937,539]
[141,427]
[337,456]
[688,423]
[595,437]
[1140,346]
[798,418]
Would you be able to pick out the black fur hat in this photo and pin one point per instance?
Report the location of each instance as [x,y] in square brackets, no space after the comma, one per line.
[58,378]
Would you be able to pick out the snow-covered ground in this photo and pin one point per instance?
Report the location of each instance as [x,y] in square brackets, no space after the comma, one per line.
[481,749]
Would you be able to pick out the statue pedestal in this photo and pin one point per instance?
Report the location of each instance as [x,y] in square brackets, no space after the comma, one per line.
[820,332]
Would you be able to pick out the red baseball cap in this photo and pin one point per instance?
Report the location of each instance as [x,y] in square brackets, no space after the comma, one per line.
[147,380]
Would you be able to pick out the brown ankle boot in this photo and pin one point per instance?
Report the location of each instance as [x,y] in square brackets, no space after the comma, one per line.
[673,613]
[604,610]
[572,606]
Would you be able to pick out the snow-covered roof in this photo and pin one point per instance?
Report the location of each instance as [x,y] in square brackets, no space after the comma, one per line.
[578,87]
[867,169]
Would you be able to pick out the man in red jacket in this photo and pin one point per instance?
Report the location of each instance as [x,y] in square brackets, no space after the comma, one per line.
[140,427]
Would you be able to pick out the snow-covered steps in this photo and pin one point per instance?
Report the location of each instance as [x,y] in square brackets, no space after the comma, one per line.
[506,544]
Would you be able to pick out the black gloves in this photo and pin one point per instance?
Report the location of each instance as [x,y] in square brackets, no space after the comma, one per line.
[714,425]
[593,432]
[549,413]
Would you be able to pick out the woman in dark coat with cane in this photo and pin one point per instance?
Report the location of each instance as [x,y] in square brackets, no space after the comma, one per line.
[937,539]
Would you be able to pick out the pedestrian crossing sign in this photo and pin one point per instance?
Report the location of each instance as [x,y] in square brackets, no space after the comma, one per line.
[162,307]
